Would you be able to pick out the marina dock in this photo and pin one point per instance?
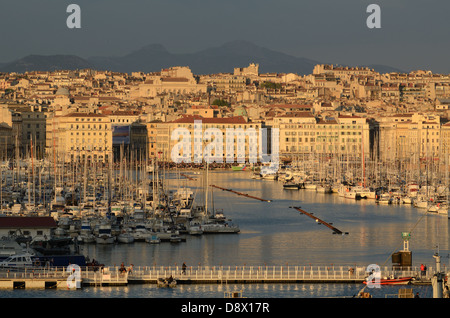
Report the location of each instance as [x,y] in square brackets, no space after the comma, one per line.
[112,276]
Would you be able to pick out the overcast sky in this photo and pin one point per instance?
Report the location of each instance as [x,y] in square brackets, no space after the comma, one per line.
[414,34]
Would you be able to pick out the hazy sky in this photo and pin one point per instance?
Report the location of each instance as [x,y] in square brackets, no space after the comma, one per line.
[414,34]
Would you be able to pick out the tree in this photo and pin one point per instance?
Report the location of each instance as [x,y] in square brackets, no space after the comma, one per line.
[220,102]
[271,85]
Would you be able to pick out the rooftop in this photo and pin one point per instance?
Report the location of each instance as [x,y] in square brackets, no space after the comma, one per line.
[27,222]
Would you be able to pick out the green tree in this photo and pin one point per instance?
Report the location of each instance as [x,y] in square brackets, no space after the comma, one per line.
[220,102]
[270,85]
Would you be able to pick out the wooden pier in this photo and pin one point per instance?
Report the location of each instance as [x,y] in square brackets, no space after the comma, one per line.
[112,276]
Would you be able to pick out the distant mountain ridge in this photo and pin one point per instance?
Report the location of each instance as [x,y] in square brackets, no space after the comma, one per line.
[154,57]
[46,63]
[222,59]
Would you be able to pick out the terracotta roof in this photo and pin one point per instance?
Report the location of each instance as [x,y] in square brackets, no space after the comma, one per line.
[290,106]
[27,222]
[349,116]
[174,79]
[328,121]
[226,120]
[84,115]
[296,114]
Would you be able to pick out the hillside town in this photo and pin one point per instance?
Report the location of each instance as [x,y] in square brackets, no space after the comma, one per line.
[91,113]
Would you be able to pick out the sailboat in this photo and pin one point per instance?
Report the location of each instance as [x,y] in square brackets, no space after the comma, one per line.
[215,223]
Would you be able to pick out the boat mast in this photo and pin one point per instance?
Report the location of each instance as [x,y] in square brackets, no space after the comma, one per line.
[206,190]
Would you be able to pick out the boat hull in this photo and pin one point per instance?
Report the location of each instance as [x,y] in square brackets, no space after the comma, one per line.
[394,281]
[104,240]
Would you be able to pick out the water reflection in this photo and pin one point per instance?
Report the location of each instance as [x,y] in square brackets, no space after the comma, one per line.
[275,234]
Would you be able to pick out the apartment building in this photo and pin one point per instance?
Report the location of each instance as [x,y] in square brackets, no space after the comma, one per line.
[78,136]
[302,133]
[414,136]
[175,80]
[199,132]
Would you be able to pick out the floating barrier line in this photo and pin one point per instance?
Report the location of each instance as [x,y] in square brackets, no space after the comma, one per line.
[240,193]
[335,230]
[186,176]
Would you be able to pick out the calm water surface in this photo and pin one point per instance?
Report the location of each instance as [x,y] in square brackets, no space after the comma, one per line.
[272,233]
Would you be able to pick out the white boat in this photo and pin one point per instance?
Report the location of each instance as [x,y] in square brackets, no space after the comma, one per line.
[269,176]
[407,200]
[219,227]
[140,233]
[175,238]
[185,213]
[433,208]
[384,198]
[342,189]
[18,261]
[323,188]
[104,235]
[153,239]
[443,209]
[421,203]
[350,194]
[195,228]
[366,193]
[86,238]
[125,237]
[166,234]
[310,186]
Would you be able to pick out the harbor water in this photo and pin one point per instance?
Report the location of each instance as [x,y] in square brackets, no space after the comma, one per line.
[273,233]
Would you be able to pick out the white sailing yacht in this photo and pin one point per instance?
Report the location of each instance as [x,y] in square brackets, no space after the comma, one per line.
[215,223]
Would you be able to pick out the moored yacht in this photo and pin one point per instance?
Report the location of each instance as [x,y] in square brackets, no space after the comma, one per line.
[104,234]
[384,198]
[125,237]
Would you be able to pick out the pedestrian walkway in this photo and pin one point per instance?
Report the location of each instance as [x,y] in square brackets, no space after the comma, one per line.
[113,275]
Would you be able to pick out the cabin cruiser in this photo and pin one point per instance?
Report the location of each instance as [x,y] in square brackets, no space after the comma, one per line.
[351,194]
[140,232]
[25,260]
[385,198]
[219,227]
[104,235]
[125,237]
[195,228]
[153,239]
[8,247]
